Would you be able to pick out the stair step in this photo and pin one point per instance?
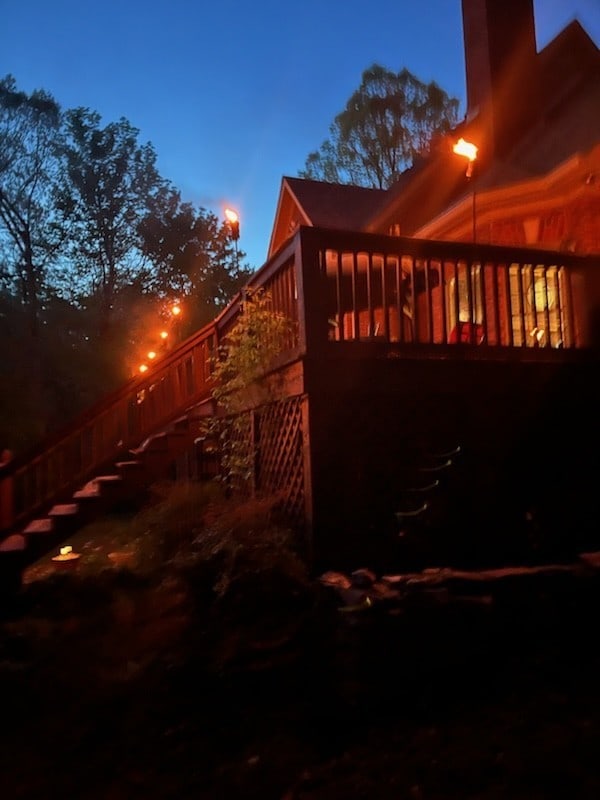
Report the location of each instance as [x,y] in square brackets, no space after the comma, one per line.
[131,470]
[108,479]
[152,443]
[64,510]
[91,490]
[66,517]
[129,464]
[39,526]
[13,543]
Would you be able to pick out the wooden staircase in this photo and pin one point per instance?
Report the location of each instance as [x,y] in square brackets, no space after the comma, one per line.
[170,454]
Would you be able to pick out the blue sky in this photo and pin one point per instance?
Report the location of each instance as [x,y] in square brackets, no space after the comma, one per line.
[234,95]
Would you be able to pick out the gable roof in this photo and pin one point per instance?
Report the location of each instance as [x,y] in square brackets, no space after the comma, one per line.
[323,205]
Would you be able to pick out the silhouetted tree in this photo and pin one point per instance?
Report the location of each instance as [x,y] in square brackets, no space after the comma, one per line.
[388,121]
[111,180]
[192,257]
[30,238]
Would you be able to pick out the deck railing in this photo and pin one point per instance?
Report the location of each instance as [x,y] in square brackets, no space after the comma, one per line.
[410,291]
[335,286]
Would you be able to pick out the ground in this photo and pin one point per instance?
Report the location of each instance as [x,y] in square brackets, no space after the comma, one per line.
[228,681]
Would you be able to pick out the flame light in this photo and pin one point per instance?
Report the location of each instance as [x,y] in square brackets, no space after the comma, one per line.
[66,555]
[466,149]
[233,221]
[469,151]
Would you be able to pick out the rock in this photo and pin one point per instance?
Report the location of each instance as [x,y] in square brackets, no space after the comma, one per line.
[363,578]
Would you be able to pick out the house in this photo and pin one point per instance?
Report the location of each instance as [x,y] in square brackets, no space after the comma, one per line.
[535,119]
[443,366]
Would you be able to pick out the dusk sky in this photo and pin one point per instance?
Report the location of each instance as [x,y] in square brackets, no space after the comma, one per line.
[234,95]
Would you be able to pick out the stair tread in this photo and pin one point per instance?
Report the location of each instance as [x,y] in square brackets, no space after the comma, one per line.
[152,442]
[43,525]
[63,509]
[13,543]
[89,490]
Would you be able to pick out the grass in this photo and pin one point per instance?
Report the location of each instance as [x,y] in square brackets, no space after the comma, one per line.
[209,664]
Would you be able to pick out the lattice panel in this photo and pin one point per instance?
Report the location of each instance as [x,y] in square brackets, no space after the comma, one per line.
[280,457]
[269,442]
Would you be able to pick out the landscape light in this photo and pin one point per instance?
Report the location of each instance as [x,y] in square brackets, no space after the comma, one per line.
[234,223]
[469,151]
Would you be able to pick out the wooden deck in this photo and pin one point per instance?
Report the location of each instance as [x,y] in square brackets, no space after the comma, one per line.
[398,344]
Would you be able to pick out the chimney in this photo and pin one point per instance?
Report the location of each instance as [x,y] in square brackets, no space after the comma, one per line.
[501,72]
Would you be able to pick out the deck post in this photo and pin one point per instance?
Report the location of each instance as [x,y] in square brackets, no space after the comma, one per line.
[312,316]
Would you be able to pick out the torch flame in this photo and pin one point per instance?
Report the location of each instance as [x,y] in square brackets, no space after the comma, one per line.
[467,149]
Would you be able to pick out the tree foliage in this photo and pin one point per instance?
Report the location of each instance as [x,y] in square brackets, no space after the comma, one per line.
[241,378]
[388,121]
[29,133]
[111,182]
[249,351]
[192,256]
[94,244]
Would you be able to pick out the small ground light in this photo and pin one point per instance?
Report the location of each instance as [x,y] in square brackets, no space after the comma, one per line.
[151,355]
[66,554]
[143,367]
[164,335]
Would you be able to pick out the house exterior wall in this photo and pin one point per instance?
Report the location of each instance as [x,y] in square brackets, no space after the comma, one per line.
[574,227]
[525,431]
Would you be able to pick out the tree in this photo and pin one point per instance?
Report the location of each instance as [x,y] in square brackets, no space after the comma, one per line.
[242,382]
[111,181]
[192,256]
[29,135]
[388,121]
